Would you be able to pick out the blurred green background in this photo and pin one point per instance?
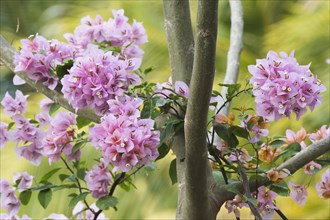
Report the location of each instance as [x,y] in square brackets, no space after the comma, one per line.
[303,26]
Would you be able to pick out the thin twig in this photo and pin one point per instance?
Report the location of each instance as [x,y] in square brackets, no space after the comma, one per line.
[78,183]
[246,186]
[112,190]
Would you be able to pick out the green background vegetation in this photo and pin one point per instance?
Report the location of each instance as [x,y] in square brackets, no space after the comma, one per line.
[302,26]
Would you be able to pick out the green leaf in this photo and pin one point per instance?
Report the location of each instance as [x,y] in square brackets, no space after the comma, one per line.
[166,130]
[65,186]
[82,122]
[49,174]
[281,189]
[53,108]
[106,202]
[125,186]
[77,198]
[10,125]
[77,146]
[43,187]
[232,89]
[163,151]
[149,69]
[63,177]
[277,143]
[239,131]
[25,196]
[150,167]
[44,197]
[230,188]
[32,121]
[81,173]
[62,70]
[172,172]
[252,200]
[72,178]
[289,151]
[222,131]
[218,177]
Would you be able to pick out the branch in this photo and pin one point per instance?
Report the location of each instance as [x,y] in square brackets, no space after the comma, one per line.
[177,24]
[7,58]
[235,48]
[305,156]
[196,204]
[247,190]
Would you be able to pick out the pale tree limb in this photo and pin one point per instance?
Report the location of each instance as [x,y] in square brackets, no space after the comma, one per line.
[234,52]
[305,156]
[7,58]
[197,204]
[178,29]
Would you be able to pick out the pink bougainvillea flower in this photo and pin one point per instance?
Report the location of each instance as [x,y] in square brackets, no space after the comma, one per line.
[256,125]
[277,176]
[265,195]
[292,137]
[58,138]
[4,134]
[298,193]
[55,216]
[14,106]
[323,132]
[282,86]
[181,88]
[98,179]
[323,187]
[46,104]
[242,155]
[234,205]
[312,168]
[10,202]
[267,210]
[24,179]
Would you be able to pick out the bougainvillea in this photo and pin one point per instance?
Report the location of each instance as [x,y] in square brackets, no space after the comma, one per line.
[99,70]
[282,86]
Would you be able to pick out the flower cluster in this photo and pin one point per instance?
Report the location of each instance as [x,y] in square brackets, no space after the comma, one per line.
[125,140]
[115,32]
[59,137]
[9,200]
[98,179]
[282,86]
[97,77]
[25,131]
[39,57]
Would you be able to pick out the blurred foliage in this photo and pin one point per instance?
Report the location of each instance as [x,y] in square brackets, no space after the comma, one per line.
[302,26]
